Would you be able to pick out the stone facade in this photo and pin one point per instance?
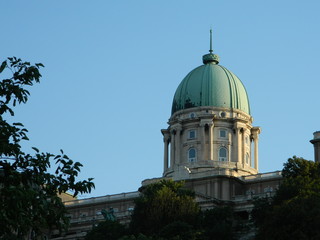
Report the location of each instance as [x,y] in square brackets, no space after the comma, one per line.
[207,140]
[218,185]
[86,213]
[212,148]
[211,191]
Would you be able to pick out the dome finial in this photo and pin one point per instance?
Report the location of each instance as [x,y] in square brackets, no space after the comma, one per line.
[210,58]
[211,51]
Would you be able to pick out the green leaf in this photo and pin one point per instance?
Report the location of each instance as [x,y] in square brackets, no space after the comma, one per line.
[39,65]
[17,124]
[3,66]
[35,149]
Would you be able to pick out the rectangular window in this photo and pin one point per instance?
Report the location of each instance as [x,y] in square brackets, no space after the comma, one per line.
[192,134]
[223,133]
[268,189]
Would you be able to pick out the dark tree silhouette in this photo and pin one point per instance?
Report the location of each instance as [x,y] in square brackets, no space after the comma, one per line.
[29,201]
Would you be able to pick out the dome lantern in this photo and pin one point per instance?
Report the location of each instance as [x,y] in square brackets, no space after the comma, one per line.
[210,58]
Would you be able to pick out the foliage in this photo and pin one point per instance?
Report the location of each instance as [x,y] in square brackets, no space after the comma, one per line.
[161,204]
[29,202]
[178,230]
[139,237]
[166,210]
[294,212]
[111,230]
[217,223]
[262,207]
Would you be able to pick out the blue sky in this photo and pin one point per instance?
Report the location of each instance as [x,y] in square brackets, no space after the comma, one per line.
[112,68]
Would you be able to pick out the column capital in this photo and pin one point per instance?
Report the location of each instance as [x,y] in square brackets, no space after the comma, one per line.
[255,131]
[316,137]
[316,144]
[205,122]
[238,125]
[164,131]
[176,127]
[237,129]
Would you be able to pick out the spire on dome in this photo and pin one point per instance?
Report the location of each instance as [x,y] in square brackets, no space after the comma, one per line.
[210,58]
[210,51]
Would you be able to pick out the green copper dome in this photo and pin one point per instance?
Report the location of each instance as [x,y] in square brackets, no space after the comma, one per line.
[211,85]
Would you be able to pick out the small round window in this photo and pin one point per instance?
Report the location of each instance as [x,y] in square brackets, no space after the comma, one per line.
[223,114]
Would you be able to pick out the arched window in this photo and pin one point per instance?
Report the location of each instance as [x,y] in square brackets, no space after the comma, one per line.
[192,155]
[223,154]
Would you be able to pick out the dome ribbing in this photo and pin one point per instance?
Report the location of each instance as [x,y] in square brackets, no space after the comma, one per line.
[211,85]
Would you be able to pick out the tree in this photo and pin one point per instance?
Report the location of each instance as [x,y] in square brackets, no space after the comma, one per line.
[108,229]
[217,223]
[166,210]
[179,231]
[29,202]
[161,204]
[294,211]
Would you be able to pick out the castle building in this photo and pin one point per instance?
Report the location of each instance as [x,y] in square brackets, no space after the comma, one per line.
[210,129]
[210,144]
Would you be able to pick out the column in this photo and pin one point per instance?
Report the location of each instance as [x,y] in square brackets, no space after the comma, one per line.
[237,146]
[255,139]
[243,149]
[172,149]
[210,137]
[166,137]
[165,159]
[255,135]
[166,145]
[177,155]
[203,142]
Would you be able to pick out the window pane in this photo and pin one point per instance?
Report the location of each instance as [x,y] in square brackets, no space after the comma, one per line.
[223,133]
[223,152]
[192,134]
[192,153]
